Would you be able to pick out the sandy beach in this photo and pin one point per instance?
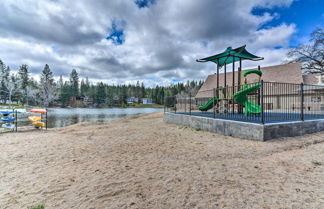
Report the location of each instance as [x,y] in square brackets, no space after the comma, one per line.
[142,162]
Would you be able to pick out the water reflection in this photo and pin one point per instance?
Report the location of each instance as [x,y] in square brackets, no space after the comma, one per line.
[60,117]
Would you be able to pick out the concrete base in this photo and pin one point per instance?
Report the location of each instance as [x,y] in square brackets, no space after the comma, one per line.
[247,130]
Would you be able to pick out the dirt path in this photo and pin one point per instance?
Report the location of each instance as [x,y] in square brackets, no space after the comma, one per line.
[141,162]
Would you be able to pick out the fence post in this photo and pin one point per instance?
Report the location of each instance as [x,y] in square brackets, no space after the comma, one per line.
[175,104]
[302,101]
[262,105]
[190,103]
[164,104]
[46,118]
[214,94]
[185,105]
[16,121]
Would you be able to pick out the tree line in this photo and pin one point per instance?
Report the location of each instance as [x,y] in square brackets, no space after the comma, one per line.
[22,88]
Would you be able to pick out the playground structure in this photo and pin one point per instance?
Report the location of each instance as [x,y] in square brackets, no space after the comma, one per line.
[222,107]
[240,94]
[20,118]
[241,97]
[242,100]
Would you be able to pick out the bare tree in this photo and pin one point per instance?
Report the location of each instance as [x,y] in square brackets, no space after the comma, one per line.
[311,55]
[11,86]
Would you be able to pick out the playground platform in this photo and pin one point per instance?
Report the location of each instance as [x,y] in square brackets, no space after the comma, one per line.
[251,130]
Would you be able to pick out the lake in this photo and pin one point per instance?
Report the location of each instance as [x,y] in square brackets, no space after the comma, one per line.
[60,117]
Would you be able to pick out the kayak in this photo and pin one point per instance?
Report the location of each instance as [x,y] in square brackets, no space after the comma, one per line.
[38,124]
[34,118]
[8,126]
[21,110]
[5,112]
[42,111]
[8,119]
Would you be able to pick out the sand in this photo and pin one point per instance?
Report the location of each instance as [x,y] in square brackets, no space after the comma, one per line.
[142,162]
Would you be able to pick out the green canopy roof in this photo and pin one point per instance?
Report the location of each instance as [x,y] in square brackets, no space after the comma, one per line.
[231,55]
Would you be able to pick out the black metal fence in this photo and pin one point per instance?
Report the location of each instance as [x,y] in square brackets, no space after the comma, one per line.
[261,102]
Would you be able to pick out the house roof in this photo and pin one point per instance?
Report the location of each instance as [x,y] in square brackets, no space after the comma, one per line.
[286,73]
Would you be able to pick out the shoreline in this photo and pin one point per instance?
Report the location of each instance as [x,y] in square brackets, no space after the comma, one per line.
[141,162]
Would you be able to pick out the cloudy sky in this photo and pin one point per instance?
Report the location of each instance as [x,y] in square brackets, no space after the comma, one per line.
[154,41]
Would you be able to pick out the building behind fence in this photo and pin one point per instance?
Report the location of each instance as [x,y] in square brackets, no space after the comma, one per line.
[278,101]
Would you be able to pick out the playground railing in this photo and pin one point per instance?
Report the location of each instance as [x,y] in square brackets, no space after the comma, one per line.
[260,102]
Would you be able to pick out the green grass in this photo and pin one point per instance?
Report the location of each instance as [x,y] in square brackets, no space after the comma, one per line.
[135,105]
[40,206]
[316,163]
[19,106]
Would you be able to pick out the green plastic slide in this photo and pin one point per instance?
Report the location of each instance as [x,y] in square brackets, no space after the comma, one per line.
[241,98]
[209,104]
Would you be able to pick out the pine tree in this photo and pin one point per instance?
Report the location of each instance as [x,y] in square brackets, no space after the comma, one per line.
[65,94]
[3,78]
[23,76]
[100,93]
[47,86]
[61,82]
[74,82]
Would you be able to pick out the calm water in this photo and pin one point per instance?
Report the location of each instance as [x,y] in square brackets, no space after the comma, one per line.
[60,117]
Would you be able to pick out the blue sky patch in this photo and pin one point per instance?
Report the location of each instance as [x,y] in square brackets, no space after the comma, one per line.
[176,80]
[306,14]
[116,33]
[144,3]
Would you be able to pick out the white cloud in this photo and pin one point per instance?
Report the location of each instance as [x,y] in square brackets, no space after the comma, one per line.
[162,42]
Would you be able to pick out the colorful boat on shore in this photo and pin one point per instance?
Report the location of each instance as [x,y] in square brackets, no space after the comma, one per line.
[34,118]
[38,124]
[7,119]
[8,126]
[41,111]
[6,112]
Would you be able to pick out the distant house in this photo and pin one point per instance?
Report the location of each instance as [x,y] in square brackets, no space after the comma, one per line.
[103,101]
[132,100]
[116,100]
[87,100]
[147,101]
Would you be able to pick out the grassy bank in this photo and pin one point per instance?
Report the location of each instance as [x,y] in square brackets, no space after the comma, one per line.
[145,105]
[18,106]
